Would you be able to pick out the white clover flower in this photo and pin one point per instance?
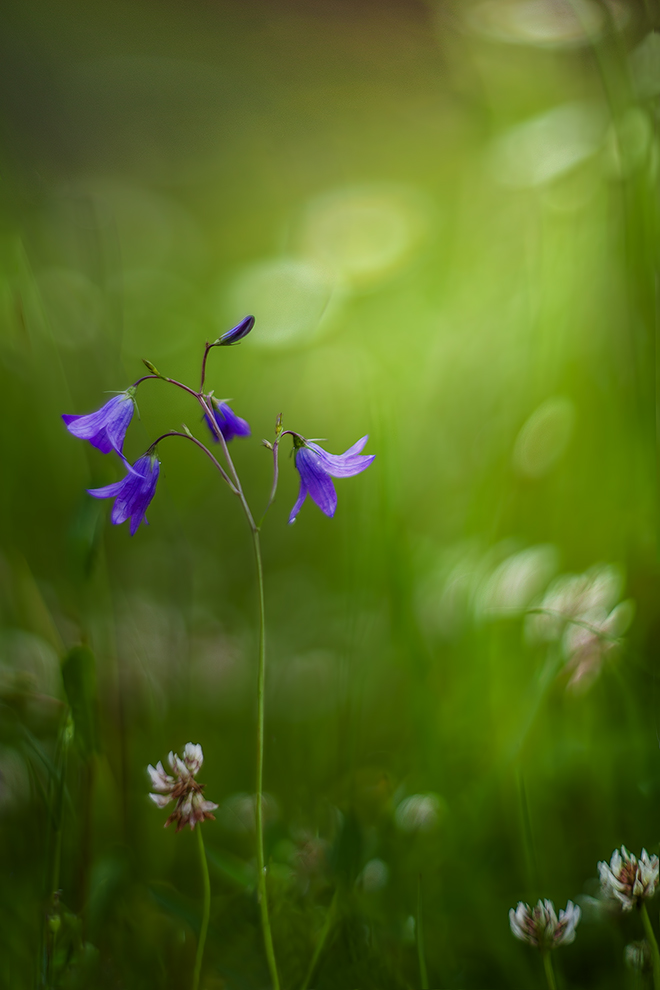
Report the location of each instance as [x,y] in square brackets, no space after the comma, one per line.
[191,807]
[637,956]
[540,926]
[627,879]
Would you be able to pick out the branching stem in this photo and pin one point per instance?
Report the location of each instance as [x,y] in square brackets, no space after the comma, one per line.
[234,483]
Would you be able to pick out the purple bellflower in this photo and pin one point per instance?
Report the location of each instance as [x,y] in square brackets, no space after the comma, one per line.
[105,428]
[133,493]
[317,468]
[236,333]
[230,424]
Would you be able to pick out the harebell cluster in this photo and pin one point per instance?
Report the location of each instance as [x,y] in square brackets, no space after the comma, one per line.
[106,429]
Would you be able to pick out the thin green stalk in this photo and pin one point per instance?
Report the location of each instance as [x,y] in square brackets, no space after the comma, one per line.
[549,971]
[262,892]
[419,935]
[206,907]
[653,945]
[325,931]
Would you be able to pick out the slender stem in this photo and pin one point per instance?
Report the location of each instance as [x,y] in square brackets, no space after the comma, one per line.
[189,436]
[653,945]
[419,936]
[207,406]
[206,907]
[206,354]
[549,971]
[276,476]
[325,931]
[208,412]
[262,892]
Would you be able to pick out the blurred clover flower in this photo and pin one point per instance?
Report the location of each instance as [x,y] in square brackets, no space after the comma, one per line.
[627,879]
[317,468]
[637,956]
[191,807]
[229,423]
[581,610]
[236,333]
[540,926]
[587,648]
[133,493]
[419,813]
[106,428]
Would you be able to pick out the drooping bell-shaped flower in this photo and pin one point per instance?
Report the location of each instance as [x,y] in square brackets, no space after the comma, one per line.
[229,423]
[106,428]
[317,468]
[133,493]
[540,926]
[236,333]
[627,879]
[191,807]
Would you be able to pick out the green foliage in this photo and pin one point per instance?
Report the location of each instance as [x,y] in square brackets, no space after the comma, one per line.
[79,679]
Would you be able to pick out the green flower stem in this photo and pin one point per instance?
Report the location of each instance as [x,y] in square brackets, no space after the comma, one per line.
[206,908]
[262,892]
[419,934]
[233,481]
[653,945]
[549,971]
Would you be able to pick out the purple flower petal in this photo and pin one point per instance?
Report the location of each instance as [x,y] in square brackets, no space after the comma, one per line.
[229,423]
[133,493]
[106,428]
[317,468]
[347,464]
[302,495]
[317,480]
[237,333]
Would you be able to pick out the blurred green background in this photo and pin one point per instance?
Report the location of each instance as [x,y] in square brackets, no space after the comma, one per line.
[443,216]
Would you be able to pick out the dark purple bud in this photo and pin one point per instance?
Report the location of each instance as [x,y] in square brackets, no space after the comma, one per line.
[237,333]
[317,468]
[229,423]
[105,428]
[133,493]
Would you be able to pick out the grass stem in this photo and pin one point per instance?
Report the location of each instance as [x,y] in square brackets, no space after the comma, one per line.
[206,908]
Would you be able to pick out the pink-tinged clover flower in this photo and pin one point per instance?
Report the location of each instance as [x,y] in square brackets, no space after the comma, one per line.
[317,468]
[106,428]
[236,333]
[191,807]
[540,926]
[627,879]
[229,423]
[133,493]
